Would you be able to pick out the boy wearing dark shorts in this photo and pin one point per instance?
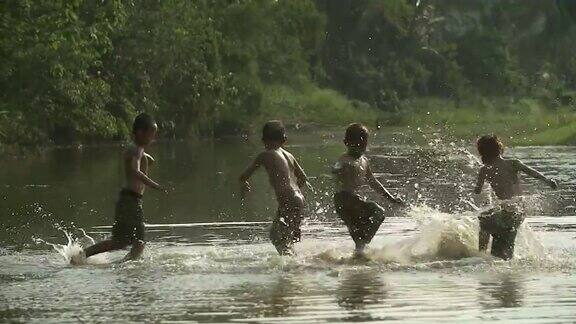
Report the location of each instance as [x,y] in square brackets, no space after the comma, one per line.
[129,218]
[287,179]
[128,226]
[502,174]
[362,217]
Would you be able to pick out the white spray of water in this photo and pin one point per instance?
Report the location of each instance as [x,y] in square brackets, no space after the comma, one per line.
[74,247]
[440,240]
[443,236]
[440,237]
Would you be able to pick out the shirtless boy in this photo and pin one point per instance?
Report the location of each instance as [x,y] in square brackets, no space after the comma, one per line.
[287,179]
[362,217]
[503,176]
[128,227]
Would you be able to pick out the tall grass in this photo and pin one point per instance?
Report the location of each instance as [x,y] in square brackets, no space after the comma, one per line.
[314,105]
[521,122]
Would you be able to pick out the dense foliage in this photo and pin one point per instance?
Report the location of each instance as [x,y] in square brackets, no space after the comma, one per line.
[79,70]
[384,51]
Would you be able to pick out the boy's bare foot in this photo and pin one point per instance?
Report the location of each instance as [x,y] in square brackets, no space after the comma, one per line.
[399,201]
[360,254]
[78,259]
[287,251]
[553,184]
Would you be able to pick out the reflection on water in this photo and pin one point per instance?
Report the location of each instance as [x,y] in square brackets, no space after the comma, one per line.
[505,291]
[357,291]
[209,258]
[274,298]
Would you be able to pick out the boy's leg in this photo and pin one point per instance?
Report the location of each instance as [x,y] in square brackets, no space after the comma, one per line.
[488,226]
[349,211]
[483,239]
[359,251]
[373,215]
[366,218]
[510,242]
[483,236]
[123,234]
[120,240]
[503,245]
[277,234]
[120,233]
[504,235]
[354,229]
[497,246]
[369,216]
[138,243]
[104,246]
[285,231]
[278,237]
[136,251]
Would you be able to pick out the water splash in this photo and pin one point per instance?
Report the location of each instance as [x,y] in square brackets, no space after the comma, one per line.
[448,240]
[439,236]
[74,246]
[442,237]
[440,240]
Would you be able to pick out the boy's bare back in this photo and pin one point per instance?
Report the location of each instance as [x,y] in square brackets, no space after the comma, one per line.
[503,177]
[284,173]
[354,172]
[502,174]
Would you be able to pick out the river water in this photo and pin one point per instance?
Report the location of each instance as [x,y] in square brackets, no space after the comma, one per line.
[208,258]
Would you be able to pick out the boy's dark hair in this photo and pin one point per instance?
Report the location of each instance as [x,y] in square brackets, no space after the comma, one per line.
[356,132]
[274,130]
[489,148]
[143,122]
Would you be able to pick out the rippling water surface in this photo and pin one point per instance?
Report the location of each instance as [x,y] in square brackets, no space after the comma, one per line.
[209,260]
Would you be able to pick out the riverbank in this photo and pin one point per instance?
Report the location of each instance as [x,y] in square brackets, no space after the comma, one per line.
[520,122]
[523,122]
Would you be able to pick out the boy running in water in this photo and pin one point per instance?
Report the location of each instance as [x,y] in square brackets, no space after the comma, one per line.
[287,179]
[503,176]
[362,217]
[128,226]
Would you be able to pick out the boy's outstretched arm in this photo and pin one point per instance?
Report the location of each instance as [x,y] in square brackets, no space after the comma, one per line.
[480,181]
[378,187]
[245,185]
[535,174]
[134,168]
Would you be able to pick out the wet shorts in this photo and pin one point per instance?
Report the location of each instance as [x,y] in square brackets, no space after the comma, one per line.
[129,219]
[362,217]
[285,230]
[503,226]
